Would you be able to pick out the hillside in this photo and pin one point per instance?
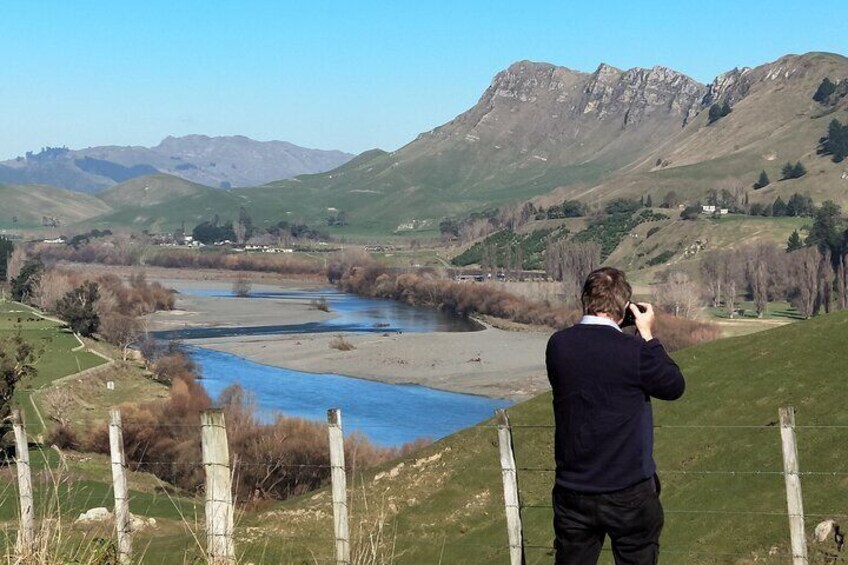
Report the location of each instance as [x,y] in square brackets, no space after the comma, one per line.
[540,128]
[215,161]
[446,505]
[24,206]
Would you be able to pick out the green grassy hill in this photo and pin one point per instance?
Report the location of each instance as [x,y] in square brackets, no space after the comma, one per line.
[718,451]
[29,203]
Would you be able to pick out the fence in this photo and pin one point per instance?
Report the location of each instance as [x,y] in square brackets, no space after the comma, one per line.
[219,506]
[791,473]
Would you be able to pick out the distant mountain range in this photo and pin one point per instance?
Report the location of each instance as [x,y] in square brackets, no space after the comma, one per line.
[538,132]
[221,162]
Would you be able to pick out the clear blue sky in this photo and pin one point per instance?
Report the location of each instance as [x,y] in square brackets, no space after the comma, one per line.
[348,74]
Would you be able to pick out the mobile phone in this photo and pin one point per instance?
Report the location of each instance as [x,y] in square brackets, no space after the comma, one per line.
[629,317]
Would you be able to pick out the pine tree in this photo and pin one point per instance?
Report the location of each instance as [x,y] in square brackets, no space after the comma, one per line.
[823,92]
[649,203]
[779,208]
[763,181]
[794,242]
[798,170]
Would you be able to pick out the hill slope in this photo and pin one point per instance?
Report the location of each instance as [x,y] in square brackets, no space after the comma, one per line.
[446,504]
[539,128]
[25,206]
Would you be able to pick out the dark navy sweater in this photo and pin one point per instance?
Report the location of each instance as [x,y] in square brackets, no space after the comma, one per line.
[602,382]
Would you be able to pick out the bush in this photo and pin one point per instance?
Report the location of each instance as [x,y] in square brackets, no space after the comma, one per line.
[691,212]
[339,342]
[63,437]
[319,304]
[660,259]
[242,287]
[274,461]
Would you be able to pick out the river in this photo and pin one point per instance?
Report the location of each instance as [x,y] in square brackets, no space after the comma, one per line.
[388,414]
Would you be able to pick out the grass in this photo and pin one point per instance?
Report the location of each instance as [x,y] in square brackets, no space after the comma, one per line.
[444,504]
[448,497]
[57,358]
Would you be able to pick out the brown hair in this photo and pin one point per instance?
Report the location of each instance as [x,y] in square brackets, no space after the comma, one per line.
[607,291]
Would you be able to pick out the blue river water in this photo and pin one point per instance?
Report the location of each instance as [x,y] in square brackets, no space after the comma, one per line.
[389,415]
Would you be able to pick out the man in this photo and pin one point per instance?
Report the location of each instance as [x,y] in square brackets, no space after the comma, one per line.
[603,381]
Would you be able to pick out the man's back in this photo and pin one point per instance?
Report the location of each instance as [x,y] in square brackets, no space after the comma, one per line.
[602,381]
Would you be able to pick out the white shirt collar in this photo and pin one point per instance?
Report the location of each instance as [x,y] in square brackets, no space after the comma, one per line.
[598,321]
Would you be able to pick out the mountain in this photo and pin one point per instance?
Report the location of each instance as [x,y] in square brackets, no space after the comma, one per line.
[539,132]
[225,162]
[540,128]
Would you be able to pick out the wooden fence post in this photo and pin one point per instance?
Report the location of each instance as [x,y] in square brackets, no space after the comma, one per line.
[339,480]
[123,524]
[794,501]
[25,543]
[510,484]
[219,492]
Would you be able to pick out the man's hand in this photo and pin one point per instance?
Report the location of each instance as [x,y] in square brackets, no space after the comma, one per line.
[644,320]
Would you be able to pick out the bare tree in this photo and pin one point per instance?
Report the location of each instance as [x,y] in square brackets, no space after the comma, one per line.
[759,275]
[15,263]
[60,401]
[713,275]
[242,286]
[842,283]
[826,279]
[121,330]
[571,262]
[678,295]
[731,272]
[805,273]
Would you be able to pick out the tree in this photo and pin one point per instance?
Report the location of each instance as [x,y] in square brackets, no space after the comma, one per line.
[790,171]
[691,212]
[800,205]
[17,362]
[24,285]
[823,92]
[6,250]
[670,200]
[713,276]
[649,202]
[827,232]
[804,270]
[762,182]
[78,309]
[836,142]
[571,262]
[718,111]
[794,242]
[758,275]
[242,286]
[778,209]
[678,295]
[121,330]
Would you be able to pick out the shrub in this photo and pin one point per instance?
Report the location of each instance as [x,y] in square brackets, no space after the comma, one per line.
[242,287]
[63,437]
[319,304]
[272,461]
[339,342]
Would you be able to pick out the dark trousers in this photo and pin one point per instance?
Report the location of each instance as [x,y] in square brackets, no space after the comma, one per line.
[632,517]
